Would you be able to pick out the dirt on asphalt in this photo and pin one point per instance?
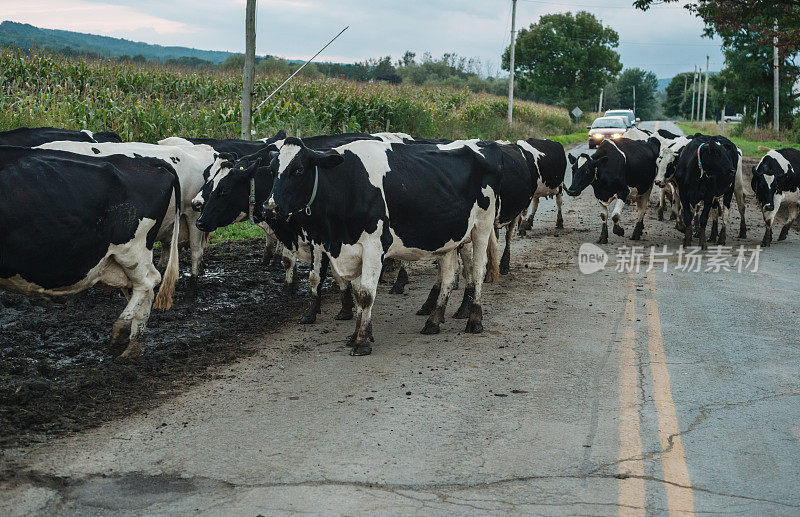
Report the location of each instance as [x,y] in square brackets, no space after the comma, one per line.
[56,375]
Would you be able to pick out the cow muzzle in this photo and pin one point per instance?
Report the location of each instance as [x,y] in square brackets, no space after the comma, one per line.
[197,206]
[661,183]
[269,210]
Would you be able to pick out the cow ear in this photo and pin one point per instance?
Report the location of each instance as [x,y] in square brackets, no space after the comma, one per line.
[572,158]
[328,159]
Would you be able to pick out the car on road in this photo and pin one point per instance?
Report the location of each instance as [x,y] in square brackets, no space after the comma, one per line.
[732,119]
[606,127]
[630,118]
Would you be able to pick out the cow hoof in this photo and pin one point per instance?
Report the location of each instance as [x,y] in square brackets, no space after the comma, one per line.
[308,318]
[344,315]
[603,240]
[618,230]
[742,230]
[474,327]
[672,217]
[425,310]
[784,233]
[661,216]
[361,349]
[504,269]
[120,337]
[559,223]
[289,289]
[134,349]
[742,234]
[430,328]
[397,289]
[462,313]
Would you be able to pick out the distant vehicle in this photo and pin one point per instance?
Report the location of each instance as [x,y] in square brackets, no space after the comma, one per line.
[606,127]
[628,114]
[732,119]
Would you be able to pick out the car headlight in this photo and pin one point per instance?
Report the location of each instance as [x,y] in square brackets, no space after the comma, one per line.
[616,135]
[598,135]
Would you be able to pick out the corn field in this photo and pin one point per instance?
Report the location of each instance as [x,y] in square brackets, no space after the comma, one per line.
[147,102]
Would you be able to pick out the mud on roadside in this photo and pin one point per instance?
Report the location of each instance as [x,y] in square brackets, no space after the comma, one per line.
[57,377]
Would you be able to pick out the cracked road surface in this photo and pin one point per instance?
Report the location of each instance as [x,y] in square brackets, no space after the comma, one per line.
[603,394]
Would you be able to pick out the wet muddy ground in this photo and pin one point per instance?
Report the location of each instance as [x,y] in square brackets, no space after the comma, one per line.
[56,375]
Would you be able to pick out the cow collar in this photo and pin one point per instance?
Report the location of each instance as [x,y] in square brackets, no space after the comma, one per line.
[307,209]
[252,200]
[699,161]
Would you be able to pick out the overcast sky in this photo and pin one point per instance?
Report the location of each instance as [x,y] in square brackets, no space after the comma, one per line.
[665,39]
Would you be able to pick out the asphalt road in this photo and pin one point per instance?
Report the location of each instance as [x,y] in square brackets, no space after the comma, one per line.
[611,393]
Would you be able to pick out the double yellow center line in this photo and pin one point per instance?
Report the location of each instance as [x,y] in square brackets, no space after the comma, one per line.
[631,497]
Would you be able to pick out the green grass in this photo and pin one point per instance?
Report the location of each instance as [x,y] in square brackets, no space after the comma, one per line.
[749,146]
[572,138]
[237,231]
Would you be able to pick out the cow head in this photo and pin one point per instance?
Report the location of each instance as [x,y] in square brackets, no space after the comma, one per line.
[296,171]
[769,177]
[225,197]
[584,171]
[666,165]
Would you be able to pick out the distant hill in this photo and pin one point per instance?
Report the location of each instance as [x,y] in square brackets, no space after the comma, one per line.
[27,36]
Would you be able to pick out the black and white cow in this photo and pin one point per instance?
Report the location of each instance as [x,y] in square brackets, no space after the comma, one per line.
[71,221]
[233,195]
[705,174]
[367,200]
[667,160]
[547,160]
[194,165]
[33,136]
[776,182]
[620,171]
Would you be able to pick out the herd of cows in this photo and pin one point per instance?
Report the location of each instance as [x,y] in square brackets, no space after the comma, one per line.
[80,208]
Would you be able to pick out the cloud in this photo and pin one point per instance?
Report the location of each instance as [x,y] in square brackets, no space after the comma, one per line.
[85,16]
[665,39]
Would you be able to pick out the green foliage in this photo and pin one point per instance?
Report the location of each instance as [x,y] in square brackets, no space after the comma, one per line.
[146,102]
[645,83]
[679,96]
[563,59]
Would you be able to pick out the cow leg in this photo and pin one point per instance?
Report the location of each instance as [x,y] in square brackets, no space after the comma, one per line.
[676,208]
[738,192]
[642,204]
[484,226]
[315,279]
[527,224]
[662,202]
[793,211]
[448,265]
[270,245]
[769,220]
[505,260]
[703,221]
[469,290]
[128,330]
[346,296]
[401,280]
[712,237]
[559,218]
[430,302]
[688,215]
[197,246]
[725,220]
[615,215]
[603,217]
[364,289]
[290,264]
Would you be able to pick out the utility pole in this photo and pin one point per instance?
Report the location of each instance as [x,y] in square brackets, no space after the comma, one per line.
[699,90]
[694,80]
[600,104]
[634,100]
[511,60]
[758,101]
[776,113]
[705,93]
[249,68]
[685,86]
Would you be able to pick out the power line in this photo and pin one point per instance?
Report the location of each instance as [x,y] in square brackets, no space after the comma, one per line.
[591,6]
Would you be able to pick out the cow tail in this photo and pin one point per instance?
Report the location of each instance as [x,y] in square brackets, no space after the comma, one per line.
[164,297]
[492,263]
